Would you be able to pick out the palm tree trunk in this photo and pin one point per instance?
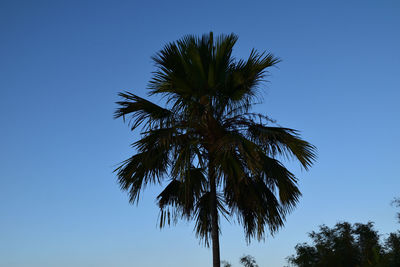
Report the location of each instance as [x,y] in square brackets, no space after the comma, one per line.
[214,215]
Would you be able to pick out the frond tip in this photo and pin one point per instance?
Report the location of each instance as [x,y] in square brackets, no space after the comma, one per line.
[140,110]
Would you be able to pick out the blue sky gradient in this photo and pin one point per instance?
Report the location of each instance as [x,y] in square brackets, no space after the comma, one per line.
[62,64]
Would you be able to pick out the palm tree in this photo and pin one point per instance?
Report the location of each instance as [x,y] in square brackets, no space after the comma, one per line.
[219,157]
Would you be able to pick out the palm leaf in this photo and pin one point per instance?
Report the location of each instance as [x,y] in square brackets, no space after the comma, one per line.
[141,110]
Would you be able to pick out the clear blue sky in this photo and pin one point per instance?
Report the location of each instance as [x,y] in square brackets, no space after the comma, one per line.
[63,62]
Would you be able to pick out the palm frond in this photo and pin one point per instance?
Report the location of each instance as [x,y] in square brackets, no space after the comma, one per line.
[141,110]
[141,169]
[282,141]
[181,195]
[247,170]
[241,89]
[256,207]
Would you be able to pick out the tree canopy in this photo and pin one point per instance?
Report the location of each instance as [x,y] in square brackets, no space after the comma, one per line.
[347,245]
[216,156]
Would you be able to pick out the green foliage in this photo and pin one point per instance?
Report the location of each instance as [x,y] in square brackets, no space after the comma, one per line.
[207,145]
[226,264]
[392,249]
[248,261]
[347,245]
[396,202]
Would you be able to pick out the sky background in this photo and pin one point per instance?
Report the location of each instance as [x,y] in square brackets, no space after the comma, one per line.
[62,64]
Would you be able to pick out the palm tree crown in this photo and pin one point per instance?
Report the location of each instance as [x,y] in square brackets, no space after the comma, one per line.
[219,157]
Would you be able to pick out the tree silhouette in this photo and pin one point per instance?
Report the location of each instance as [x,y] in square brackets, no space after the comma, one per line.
[392,248]
[226,264]
[347,245]
[396,203]
[220,158]
[248,261]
